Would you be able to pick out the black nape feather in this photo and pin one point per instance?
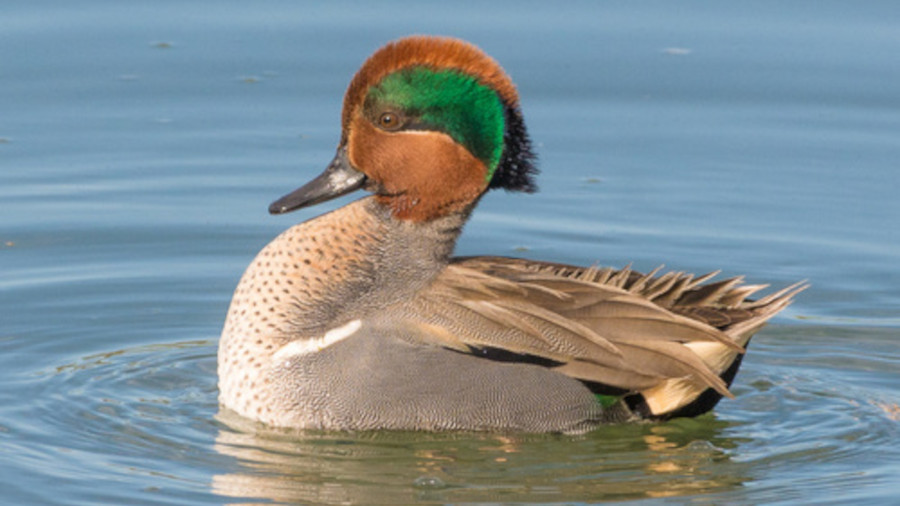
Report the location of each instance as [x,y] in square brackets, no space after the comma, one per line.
[516,170]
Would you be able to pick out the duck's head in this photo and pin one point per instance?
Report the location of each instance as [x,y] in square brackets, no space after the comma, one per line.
[429,124]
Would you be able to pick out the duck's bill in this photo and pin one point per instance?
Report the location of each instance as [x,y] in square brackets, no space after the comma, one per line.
[340,178]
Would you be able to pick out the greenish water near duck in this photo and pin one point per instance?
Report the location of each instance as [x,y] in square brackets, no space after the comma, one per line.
[140,146]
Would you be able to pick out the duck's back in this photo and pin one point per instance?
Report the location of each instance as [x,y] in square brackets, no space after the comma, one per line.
[666,345]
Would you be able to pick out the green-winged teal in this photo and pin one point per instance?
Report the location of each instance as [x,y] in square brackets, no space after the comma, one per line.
[362,319]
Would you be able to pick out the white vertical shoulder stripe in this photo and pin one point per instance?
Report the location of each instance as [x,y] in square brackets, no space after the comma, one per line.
[307,346]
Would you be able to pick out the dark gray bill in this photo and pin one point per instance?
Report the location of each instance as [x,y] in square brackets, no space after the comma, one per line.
[340,178]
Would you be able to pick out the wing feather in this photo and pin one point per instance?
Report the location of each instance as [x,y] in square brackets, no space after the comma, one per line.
[631,331]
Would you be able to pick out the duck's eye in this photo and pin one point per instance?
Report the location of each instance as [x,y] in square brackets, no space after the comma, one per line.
[389,121]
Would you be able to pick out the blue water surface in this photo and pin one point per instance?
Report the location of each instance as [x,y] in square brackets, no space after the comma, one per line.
[140,144]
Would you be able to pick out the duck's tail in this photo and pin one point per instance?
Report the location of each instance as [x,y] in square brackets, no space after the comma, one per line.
[688,397]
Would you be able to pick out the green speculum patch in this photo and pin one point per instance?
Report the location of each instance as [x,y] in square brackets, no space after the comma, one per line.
[607,401]
[448,101]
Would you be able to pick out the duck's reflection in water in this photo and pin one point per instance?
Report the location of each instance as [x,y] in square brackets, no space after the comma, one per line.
[612,463]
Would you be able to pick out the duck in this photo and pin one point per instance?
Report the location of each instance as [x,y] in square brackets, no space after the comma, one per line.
[363,319]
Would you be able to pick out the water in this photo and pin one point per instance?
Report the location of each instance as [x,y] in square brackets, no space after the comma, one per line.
[141,144]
